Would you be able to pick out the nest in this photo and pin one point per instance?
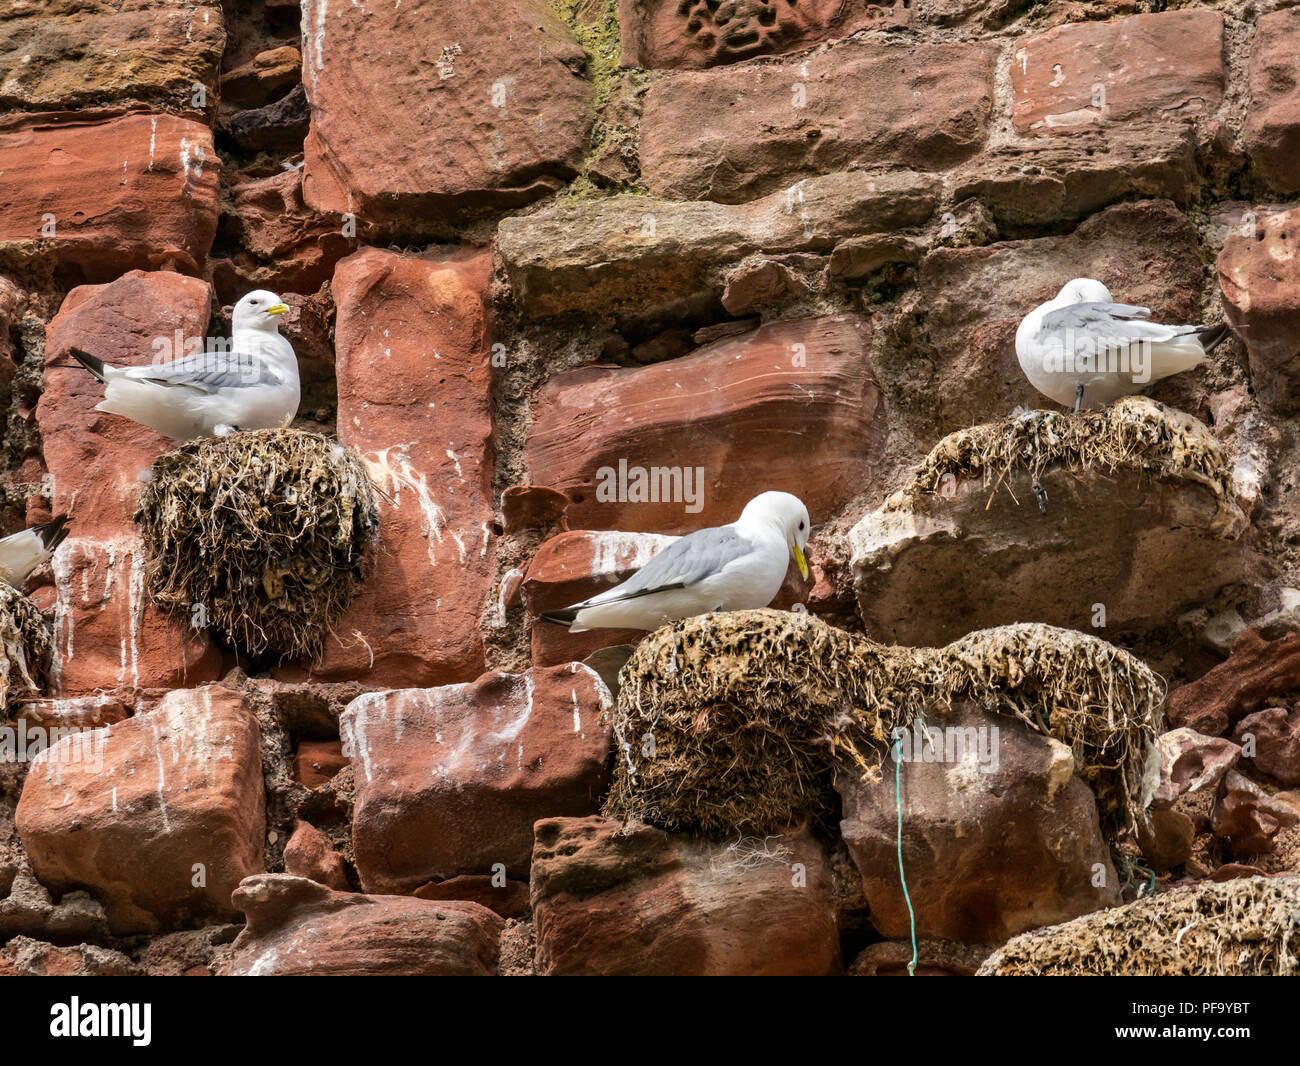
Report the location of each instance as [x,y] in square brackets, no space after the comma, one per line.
[1244,927]
[740,721]
[27,648]
[1134,433]
[259,536]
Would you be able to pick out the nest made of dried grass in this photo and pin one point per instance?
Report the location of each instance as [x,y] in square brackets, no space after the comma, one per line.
[26,644]
[740,721]
[260,534]
[1135,433]
[1243,927]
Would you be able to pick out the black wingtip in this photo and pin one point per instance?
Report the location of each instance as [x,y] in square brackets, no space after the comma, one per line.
[89,362]
[566,616]
[54,532]
[1212,336]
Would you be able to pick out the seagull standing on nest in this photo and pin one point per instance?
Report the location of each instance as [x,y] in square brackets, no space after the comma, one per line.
[253,386]
[728,568]
[24,552]
[1081,349]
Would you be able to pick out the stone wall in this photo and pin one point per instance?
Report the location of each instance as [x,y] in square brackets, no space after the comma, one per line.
[766,244]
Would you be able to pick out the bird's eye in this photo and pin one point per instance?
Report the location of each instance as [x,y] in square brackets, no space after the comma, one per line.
[801,525]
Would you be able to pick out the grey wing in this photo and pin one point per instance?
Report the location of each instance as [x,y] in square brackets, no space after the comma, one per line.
[209,373]
[1089,317]
[1104,325]
[681,564]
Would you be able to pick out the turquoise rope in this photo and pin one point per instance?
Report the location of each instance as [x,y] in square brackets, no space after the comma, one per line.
[898,791]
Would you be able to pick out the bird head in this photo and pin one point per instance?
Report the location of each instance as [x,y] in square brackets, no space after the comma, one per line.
[259,310]
[788,514]
[1083,291]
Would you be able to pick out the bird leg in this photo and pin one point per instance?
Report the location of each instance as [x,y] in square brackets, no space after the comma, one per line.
[1040,494]
[1078,396]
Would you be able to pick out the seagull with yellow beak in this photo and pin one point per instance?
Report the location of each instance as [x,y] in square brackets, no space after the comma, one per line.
[253,385]
[728,568]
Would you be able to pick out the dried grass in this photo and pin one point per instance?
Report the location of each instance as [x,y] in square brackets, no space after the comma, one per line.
[1135,433]
[27,647]
[266,530]
[1244,927]
[738,722]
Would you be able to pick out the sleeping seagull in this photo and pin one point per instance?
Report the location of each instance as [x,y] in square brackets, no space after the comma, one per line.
[24,552]
[730,568]
[253,386]
[1082,347]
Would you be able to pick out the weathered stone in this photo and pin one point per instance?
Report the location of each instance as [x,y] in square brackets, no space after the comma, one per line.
[414,378]
[1048,182]
[264,76]
[1167,838]
[1274,738]
[1256,671]
[999,836]
[309,854]
[160,209]
[1247,818]
[317,761]
[1161,66]
[425,108]
[292,248]
[107,632]
[1272,133]
[450,780]
[929,567]
[280,125]
[758,286]
[801,379]
[508,899]
[609,900]
[953,341]
[859,257]
[73,53]
[669,33]
[298,928]
[1188,761]
[765,126]
[24,957]
[631,253]
[1259,278]
[159,816]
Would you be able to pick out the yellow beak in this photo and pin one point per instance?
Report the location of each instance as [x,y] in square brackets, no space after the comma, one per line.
[797,552]
[278,309]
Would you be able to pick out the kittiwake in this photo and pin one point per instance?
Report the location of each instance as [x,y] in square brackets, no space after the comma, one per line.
[24,552]
[252,386]
[729,568]
[1080,349]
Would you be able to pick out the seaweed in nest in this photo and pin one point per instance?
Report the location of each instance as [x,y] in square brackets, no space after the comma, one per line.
[27,646]
[259,535]
[1102,702]
[1135,433]
[723,722]
[1243,927]
[740,721]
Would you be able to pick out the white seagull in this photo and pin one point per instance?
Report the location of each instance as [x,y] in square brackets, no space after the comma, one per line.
[728,568]
[252,386]
[1081,349]
[24,552]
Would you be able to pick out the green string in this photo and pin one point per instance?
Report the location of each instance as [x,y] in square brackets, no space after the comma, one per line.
[898,791]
